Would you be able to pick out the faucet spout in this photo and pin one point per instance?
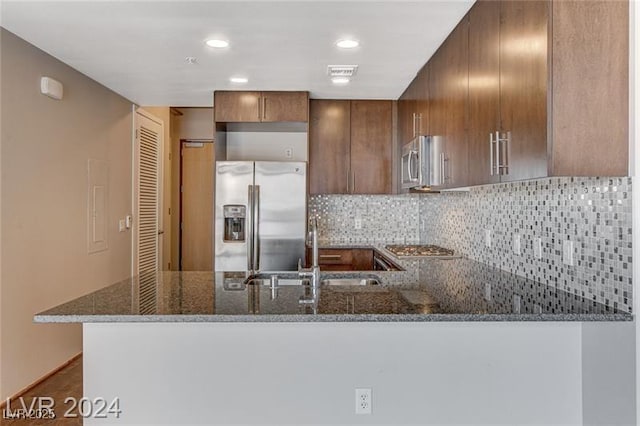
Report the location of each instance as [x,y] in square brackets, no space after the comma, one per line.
[314,271]
[314,242]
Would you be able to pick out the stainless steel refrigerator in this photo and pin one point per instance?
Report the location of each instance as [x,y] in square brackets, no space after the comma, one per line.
[260,215]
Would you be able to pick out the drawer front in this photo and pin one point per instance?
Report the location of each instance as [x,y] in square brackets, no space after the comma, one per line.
[335,257]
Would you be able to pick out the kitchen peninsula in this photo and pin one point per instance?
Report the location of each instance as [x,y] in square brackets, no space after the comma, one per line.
[208,343]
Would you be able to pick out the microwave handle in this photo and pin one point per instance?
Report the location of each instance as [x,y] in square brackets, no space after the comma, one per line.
[409,168]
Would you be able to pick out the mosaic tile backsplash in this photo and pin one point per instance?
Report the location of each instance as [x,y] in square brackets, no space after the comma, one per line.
[591,214]
[381,218]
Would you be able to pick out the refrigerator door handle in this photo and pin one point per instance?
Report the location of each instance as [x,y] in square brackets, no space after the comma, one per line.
[256,227]
[250,228]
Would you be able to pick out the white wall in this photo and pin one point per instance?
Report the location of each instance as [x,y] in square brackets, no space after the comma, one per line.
[288,373]
[45,148]
[608,373]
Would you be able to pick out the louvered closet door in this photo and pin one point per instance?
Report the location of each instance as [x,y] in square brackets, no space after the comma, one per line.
[147,177]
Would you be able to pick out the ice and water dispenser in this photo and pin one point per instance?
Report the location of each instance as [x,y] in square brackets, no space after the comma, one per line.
[235,216]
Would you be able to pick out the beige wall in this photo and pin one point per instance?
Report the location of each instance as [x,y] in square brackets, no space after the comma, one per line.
[45,148]
[164,115]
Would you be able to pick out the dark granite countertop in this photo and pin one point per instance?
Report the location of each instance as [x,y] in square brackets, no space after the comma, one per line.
[427,290]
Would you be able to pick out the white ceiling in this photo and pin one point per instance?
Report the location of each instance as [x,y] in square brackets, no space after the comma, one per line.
[138,49]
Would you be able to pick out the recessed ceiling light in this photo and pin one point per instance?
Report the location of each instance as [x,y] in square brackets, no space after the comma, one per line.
[215,42]
[239,80]
[347,43]
[340,80]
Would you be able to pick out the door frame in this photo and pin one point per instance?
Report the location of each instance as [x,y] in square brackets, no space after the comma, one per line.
[180,207]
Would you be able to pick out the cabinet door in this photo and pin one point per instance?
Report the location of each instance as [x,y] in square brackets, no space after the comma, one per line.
[422,101]
[371,147]
[403,118]
[484,89]
[362,259]
[448,90]
[285,106]
[590,88]
[232,106]
[329,146]
[523,86]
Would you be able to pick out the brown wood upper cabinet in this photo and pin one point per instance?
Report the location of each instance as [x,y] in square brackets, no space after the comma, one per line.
[350,147]
[265,107]
[508,74]
[541,100]
[413,108]
[448,100]
[540,96]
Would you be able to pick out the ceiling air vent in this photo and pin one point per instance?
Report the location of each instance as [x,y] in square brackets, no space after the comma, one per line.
[342,70]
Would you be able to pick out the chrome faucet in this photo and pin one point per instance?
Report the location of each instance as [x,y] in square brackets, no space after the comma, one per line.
[314,271]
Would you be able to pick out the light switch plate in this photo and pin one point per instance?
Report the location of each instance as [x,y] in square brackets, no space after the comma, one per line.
[121,226]
[537,248]
[567,252]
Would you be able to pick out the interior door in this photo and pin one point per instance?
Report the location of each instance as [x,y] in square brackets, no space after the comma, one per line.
[196,205]
[147,194]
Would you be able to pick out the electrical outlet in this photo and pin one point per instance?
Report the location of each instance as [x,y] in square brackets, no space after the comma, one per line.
[363,401]
[516,244]
[537,248]
[487,237]
[487,292]
[358,223]
[567,252]
[516,303]
[288,152]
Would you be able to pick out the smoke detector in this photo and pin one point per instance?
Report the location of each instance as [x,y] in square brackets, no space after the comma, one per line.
[342,70]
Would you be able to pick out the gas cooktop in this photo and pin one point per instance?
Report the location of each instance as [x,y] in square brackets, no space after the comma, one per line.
[416,250]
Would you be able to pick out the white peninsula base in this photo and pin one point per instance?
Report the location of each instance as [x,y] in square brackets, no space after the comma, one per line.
[426,373]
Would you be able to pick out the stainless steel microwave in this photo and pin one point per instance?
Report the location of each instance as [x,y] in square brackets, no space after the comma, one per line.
[423,162]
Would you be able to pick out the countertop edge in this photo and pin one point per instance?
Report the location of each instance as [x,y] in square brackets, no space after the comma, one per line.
[218,318]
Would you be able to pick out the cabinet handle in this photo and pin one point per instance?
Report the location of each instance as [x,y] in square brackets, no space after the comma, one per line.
[415,116]
[330,256]
[353,187]
[506,140]
[497,152]
[442,168]
[264,107]
[491,152]
[502,153]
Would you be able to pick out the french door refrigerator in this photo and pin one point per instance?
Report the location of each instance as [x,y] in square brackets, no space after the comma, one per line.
[260,215]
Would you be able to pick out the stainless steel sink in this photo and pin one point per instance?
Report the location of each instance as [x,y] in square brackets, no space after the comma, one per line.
[293,279]
[350,281]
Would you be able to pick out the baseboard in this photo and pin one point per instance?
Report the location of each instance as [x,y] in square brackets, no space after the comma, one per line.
[20,393]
